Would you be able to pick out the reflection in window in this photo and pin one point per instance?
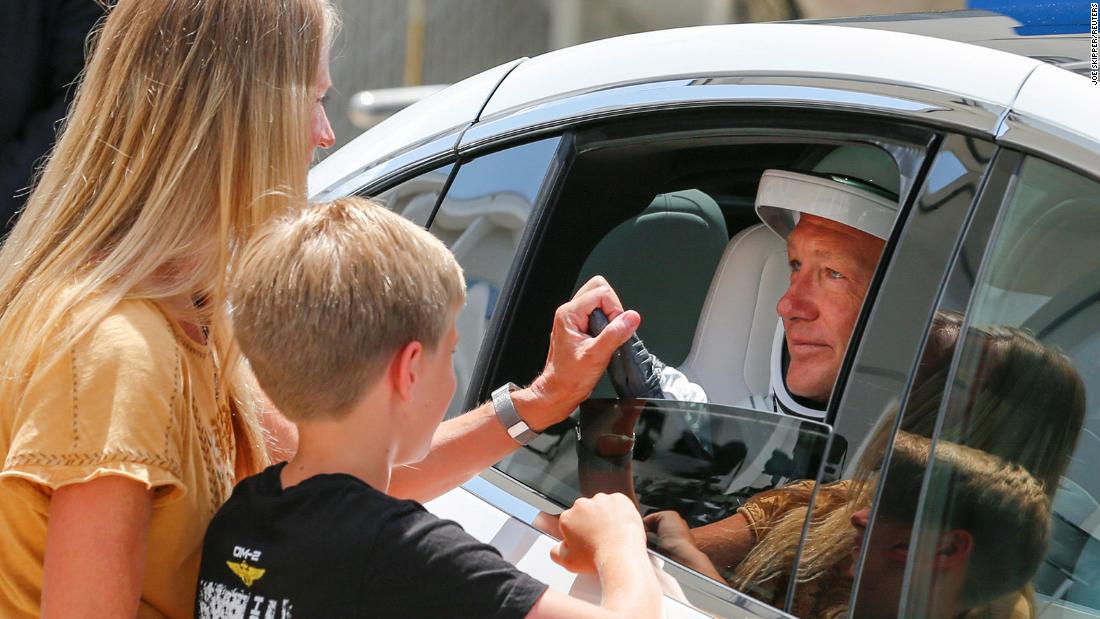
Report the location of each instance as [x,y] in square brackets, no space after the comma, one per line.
[415,198]
[482,220]
[1030,353]
[679,476]
[646,449]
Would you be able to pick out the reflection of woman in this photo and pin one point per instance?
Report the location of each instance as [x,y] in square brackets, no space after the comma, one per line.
[1013,398]
[123,420]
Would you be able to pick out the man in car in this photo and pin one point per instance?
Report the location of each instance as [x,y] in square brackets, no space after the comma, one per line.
[835,227]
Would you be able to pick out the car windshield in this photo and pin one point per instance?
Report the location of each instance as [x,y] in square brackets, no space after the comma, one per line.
[701,460]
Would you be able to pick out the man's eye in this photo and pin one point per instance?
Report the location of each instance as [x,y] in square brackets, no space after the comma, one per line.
[795,266]
[831,274]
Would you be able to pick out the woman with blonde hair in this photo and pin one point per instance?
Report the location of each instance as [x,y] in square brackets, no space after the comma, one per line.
[125,417]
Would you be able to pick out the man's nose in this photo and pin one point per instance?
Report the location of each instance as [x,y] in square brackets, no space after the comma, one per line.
[859,519]
[796,302]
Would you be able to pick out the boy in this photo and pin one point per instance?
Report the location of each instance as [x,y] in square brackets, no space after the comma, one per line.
[346,313]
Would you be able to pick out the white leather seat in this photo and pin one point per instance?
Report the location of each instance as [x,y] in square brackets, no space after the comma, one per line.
[731,351]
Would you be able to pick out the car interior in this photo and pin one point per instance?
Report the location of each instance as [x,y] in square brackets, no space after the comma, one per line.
[668,218]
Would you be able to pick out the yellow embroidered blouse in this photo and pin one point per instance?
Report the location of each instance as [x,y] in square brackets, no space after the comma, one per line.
[136,397]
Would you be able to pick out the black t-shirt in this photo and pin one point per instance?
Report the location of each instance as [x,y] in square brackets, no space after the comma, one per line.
[333,546]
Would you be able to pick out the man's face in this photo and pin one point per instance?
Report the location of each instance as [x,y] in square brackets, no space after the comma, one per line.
[831,267]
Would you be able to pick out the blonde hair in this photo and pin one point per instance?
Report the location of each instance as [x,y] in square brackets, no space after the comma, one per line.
[326,296]
[190,127]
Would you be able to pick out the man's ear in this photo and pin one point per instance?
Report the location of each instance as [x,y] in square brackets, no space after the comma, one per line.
[405,369]
[954,550]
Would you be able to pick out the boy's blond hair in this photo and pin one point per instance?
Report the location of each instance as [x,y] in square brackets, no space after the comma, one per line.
[323,298]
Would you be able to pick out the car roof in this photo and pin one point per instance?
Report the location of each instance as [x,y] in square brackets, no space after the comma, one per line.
[812,50]
[808,50]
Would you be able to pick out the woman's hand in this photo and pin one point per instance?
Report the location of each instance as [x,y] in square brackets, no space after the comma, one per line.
[672,538]
[95,548]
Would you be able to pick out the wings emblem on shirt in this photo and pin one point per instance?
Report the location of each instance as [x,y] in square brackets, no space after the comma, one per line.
[247,573]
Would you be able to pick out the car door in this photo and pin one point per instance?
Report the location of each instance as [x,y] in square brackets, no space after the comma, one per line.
[617,174]
[643,179]
[1019,292]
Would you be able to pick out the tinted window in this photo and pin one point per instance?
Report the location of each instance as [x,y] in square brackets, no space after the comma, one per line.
[668,217]
[701,460]
[482,219]
[415,199]
[1016,426]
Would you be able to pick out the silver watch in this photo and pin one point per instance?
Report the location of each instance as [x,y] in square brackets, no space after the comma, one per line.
[509,418]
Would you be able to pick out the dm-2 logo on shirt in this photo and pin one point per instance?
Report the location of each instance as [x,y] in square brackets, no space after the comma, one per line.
[247,573]
[220,600]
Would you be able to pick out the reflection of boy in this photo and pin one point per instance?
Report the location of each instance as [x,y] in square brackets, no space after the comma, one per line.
[988,538]
[989,543]
[346,313]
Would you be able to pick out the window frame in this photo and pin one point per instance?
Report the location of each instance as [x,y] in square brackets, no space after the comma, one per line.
[972,239]
[473,397]
[501,326]
[990,215]
[762,125]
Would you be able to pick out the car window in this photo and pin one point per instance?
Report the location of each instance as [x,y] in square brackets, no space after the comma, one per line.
[482,220]
[415,198]
[671,224]
[663,216]
[913,278]
[1017,426]
[701,460]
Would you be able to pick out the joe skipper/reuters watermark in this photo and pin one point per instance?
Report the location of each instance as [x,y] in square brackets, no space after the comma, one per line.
[1093,45]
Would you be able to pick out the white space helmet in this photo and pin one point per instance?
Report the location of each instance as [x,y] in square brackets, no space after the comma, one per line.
[783,196]
[832,191]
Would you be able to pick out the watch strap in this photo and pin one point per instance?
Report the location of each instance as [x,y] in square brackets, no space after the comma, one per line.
[506,412]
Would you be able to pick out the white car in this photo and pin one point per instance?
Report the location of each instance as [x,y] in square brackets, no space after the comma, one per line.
[638,158]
